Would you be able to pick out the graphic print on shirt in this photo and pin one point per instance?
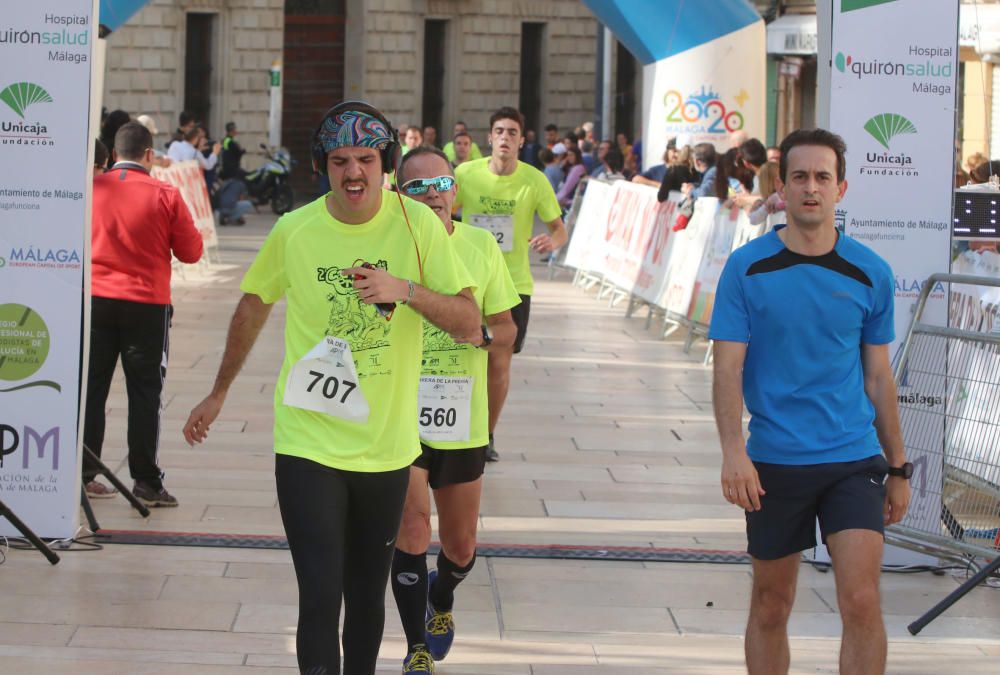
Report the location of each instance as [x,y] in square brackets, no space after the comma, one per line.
[441,352]
[351,319]
[497,207]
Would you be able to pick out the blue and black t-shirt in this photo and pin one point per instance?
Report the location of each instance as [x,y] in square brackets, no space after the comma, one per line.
[804,319]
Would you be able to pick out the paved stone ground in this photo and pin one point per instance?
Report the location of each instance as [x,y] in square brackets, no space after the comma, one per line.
[607,440]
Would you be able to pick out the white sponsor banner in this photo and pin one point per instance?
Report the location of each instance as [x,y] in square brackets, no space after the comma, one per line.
[706,93]
[635,222]
[625,234]
[717,250]
[893,100]
[45,174]
[189,178]
[586,243]
[894,103]
[686,255]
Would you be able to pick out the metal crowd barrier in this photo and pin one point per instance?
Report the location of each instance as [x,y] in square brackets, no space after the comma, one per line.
[948,380]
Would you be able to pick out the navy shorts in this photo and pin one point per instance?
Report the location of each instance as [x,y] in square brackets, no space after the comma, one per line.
[842,495]
[450,467]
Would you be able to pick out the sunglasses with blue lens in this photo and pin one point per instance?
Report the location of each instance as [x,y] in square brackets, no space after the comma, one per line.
[420,186]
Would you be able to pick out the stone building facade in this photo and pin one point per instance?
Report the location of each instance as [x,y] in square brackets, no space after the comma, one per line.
[482,56]
[421,61]
[212,56]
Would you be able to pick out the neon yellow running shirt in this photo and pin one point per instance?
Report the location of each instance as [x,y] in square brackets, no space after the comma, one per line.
[521,195]
[494,293]
[301,261]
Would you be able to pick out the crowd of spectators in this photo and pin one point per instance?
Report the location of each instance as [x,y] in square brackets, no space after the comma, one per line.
[220,161]
[743,176]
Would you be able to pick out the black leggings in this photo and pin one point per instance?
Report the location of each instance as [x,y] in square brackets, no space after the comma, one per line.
[341,528]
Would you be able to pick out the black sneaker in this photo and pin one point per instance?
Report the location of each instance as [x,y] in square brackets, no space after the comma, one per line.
[150,496]
[491,454]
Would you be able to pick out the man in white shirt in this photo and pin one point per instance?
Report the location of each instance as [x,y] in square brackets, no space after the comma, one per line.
[190,148]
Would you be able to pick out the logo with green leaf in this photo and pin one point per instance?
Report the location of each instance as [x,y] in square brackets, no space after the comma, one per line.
[22,95]
[886,126]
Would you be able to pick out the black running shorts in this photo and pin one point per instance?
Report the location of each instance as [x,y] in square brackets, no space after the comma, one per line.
[520,315]
[842,495]
[450,467]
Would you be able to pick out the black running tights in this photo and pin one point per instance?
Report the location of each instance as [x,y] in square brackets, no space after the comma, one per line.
[341,528]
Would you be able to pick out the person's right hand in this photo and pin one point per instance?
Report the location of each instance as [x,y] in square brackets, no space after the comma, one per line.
[201,418]
[740,483]
[686,188]
[217,148]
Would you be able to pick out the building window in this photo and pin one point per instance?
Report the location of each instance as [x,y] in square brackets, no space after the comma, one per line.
[435,48]
[530,102]
[199,62]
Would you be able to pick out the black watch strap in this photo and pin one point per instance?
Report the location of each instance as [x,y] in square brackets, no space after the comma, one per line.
[904,471]
[487,336]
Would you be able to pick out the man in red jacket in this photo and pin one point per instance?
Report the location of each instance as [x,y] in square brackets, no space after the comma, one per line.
[137,222]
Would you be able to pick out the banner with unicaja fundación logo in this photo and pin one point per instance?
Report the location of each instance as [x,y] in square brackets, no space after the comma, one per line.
[893,93]
[45,157]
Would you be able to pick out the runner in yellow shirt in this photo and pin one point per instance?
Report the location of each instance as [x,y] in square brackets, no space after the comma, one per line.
[360,274]
[454,427]
[449,148]
[502,195]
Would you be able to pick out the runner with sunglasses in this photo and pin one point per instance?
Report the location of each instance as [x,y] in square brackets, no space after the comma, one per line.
[454,427]
[502,195]
[344,429]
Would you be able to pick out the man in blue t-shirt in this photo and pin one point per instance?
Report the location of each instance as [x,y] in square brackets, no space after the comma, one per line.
[802,321]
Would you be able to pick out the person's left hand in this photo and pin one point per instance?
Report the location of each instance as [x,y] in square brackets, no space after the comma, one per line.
[376,285]
[897,499]
[542,244]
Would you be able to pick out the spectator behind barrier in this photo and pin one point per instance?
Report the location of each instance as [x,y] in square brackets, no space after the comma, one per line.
[769,201]
[100,157]
[731,176]
[613,164]
[678,173]
[704,164]
[575,170]
[551,167]
[114,121]
[982,173]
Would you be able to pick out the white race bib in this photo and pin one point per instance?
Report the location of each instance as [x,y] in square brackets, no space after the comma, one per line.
[445,408]
[501,227]
[326,381]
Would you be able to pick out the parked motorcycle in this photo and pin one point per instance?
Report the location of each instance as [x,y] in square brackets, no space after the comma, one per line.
[270,183]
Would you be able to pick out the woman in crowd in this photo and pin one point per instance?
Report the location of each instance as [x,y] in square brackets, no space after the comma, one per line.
[574,168]
[679,171]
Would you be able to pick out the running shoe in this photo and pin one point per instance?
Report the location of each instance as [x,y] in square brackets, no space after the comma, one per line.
[96,490]
[151,496]
[418,661]
[439,627]
[491,454]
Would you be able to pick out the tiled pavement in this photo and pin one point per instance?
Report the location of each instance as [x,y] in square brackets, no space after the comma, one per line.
[607,440]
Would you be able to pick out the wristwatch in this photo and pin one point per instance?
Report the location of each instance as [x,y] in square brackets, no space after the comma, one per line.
[487,337]
[905,471]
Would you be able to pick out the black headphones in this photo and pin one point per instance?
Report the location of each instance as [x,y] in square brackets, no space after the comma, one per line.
[390,154]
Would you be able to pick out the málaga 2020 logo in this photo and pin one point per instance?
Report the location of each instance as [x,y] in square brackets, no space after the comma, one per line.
[703,112]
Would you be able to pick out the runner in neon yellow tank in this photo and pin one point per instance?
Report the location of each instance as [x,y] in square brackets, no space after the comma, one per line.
[502,194]
[357,271]
[454,418]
